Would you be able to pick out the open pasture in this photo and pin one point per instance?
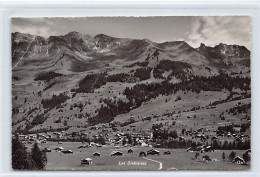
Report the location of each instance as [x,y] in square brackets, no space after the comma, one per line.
[179,159]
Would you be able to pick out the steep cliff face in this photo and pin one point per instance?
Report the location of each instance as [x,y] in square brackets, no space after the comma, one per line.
[222,51]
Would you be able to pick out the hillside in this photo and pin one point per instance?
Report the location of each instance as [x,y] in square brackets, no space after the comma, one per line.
[76,82]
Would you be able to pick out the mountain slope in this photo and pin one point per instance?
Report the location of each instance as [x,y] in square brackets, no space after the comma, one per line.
[76,80]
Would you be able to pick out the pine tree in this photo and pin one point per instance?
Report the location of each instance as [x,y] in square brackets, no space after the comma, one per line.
[223,156]
[232,155]
[38,157]
[225,145]
[196,155]
[19,155]
[174,134]
[130,139]
[124,141]
[246,157]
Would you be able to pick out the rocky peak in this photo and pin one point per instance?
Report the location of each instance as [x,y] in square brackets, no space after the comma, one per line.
[146,40]
[202,45]
[74,34]
[232,50]
[103,36]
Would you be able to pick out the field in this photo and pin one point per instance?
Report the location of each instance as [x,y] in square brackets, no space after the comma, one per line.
[179,159]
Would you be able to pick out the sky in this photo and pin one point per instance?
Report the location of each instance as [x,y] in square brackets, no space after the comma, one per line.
[210,30]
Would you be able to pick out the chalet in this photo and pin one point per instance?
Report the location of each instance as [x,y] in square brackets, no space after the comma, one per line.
[95,136]
[92,144]
[238,139]
[238,160]
[109,142]
[98,145]
[87,161]
[67,151]
[147,135]
[116,153]
[143,144]
[200,148]
[197,135]
[200,130]
[96,154]
[243,135]
[238,104]
[136,135]
[209,149]
[229,135]
[32,136]
[203,138]
[153,152]
[59,149]
[214,138]
[206,158]
[23,137]
[191,149]
[181,138]
[237,129]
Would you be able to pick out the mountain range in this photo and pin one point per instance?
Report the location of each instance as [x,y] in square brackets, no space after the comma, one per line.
[77,52]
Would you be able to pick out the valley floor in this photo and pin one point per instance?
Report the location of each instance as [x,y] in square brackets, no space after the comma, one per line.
[179,159]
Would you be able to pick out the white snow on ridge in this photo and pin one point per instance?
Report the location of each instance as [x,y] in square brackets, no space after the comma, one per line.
[24,52]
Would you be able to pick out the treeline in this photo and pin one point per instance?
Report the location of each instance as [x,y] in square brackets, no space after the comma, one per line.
[179,144]
[121,77]
[38,119]
[245,126]
[49,86]
[183,144]
[178,69]
[47,76]
[230,128]
[91,82]
[214,83]
[54,101]
[241,145]
[232,97]
[15,110]
[94,81]
[240,109]
[23,160]
[144,92]
[165,134]
[31,110]
[141,93]
[40,130]
[227,128]
[109,111]
[143,73]
[71,139]
[78,138]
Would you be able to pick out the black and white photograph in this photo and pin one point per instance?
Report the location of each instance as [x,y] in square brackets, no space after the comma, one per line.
[131,93]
